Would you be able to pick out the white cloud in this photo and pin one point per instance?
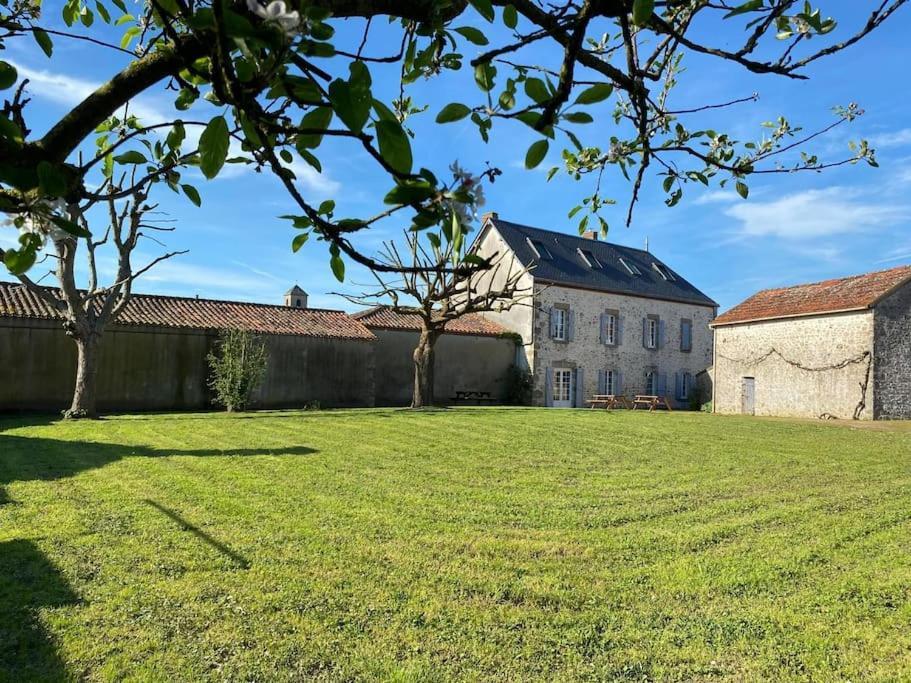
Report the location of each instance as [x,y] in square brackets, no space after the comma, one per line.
[717,197]
[815,213]
[896,138]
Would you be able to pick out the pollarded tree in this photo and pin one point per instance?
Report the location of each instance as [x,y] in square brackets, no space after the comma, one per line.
[282,81]
[86,312]
[437,281]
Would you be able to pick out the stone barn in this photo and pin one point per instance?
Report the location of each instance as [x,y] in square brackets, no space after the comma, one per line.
[473,355]
[154,356]
[839,348]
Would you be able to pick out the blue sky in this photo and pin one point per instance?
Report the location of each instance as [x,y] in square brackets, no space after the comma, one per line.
[793,228]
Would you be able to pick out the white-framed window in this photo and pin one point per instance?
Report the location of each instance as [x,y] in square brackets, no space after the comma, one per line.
[559,323]
[631,267]
[663,272]
[537,246]
[651,333]
[610,329]
[651,383]
[589,258]
[562,387]
[610,382]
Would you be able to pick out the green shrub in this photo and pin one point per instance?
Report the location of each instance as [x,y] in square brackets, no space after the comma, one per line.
[236,365]
[518,387]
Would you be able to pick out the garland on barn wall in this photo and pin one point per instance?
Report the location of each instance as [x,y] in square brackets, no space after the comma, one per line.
[854,360]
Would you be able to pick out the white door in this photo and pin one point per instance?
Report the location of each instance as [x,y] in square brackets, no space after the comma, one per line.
[748,396]
[563,388]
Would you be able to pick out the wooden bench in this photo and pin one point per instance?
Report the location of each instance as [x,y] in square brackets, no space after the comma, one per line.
[478,397]
[608,401]
[653,402]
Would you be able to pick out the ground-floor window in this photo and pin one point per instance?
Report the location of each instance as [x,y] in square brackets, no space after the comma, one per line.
[610,382]
[685,380]
[562,389]
[651,383]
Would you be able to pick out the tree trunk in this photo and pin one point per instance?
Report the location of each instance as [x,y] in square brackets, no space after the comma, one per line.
[84,393]
[423,370]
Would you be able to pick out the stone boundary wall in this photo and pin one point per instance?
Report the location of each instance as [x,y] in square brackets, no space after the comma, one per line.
[165,369]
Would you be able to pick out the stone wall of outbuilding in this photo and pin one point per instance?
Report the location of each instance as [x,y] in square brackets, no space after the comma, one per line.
[892,356]
[802,367]
[166,369]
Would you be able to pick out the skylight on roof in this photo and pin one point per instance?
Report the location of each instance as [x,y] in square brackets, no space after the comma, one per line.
[663,272]
[630,267]
[537,246]
[589,258]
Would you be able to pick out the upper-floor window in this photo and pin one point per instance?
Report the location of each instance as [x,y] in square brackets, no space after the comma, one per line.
[630,266]
[559,323]
[686,335]
[663,272]
[541,251]
[651,333]
[589,258]
[610,329]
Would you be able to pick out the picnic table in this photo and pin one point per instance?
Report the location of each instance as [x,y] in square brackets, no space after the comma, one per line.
[478,397]
[653,402]
[608,401]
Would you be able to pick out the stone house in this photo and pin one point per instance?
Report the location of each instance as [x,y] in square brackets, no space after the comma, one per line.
[839,348]
[474,354]
[600,318]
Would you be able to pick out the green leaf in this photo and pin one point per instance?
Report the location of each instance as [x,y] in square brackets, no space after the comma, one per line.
[536,90]
[213,147]
[510,16]
[51,180]
[299,241]
[131,157]
[579,117]
[484,74]
[484,7]
[44,41]
[351,99]
[750,6]
[597,93]
[742,189]
[455,111]
[19,261]
[394,145]
[473,35]
[8,75]
[536,153]
[642,11]
[336,263]
[409,192]
[316,119]
[192,193]
[69,226]
[10,131]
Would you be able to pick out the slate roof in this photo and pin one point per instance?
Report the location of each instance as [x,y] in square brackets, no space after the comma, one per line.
[205,314]
[854,293]
[382,317]
[568,268]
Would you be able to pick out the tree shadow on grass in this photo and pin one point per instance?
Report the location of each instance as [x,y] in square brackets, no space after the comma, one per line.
[29,581]
[27,458]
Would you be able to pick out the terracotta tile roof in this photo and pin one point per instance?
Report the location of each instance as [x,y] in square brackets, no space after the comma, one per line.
[844,294]
[206,314]
[382,317]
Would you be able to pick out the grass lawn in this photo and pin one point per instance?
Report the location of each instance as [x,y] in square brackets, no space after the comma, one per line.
[490,543]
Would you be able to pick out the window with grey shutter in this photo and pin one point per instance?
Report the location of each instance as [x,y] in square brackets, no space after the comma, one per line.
[618,383]
[661,335]
[619,329]
[548,387]
[580,388]
[686,335]
[662,384]
[570,325]
[602,381]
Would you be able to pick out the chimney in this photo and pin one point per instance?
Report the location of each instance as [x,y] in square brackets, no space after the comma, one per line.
[490,215]
[590,235]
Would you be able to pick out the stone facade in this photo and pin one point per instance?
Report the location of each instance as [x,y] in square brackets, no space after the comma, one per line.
[586,351]
[892,356]
[800,367]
